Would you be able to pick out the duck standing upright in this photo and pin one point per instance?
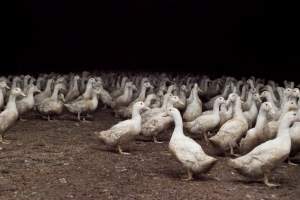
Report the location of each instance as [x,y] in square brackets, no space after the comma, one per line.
[260,162]
[124,131]
[10,114]
[188,152]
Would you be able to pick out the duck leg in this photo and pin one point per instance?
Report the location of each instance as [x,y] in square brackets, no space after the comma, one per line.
[267,183]
[156,141]
[232,151]
[121,151]
[190,176]
[78,116]
[3,141]
[205,137]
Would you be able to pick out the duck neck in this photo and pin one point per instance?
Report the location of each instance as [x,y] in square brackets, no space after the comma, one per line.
[55,93]
[261,119]
[165,103]
[136,115]
[178,123]
[48,87]
[11,104]
[89,88]
[238,108]
[30,93]
[75,84]
[249,98]
[283,129]
[123,82]
[142,94]
[216,108]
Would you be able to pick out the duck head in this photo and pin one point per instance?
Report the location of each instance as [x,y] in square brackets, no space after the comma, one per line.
[3,84]
[140,106]
[17,92]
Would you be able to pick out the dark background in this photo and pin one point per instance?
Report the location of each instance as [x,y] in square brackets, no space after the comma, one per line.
[240,38]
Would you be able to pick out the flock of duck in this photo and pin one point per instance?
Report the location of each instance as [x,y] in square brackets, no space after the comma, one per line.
[255,123]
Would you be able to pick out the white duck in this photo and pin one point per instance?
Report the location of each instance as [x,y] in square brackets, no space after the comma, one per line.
[3,87]
[188,152]
[194,105]
[207,122]
[254,135]
[27,103]
[84,105]
[53,105]
[232,131]
[251,114]
[263,159]
[124,131]
[73,92]
[161,121]
[10,114]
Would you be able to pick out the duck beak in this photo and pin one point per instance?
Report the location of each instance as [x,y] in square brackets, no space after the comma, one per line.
[7,87]
[180,103]
[22,94]
[146,108]
[38,91]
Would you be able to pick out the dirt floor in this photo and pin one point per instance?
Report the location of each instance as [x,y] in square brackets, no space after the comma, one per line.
[63,160]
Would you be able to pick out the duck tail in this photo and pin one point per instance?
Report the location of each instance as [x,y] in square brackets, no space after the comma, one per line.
[101,135]
[232,163]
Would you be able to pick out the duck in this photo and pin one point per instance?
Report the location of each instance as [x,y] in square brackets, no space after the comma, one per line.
[207,122]
[44,94]
[126,97]
[54,104]
[159,122]
[3,87]
[88,93]
[226,90]
[271,127]
[27,103]
[252,113]
[226,113]
[152,112]
[263,159]
[254,135]
[182,95]
[233,130]
[105,97]
[188,152]
[125,111]
[73,92]
[120,87]
[124,131]
[10,114]
[83,105]
[295,139]
[194,105]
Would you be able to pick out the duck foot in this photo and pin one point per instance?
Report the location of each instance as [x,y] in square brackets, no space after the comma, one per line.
[85,121]
[267,183]
[156,141]
[3,141]
[232,152]
[23,120]
[291,163]
[190,176]
[121,151]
